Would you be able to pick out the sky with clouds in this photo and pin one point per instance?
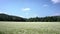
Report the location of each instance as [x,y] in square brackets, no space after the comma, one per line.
[30,8]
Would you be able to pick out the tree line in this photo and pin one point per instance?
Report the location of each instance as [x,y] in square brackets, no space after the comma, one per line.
[5,17]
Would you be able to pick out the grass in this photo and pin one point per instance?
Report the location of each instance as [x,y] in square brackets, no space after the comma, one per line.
[29,27]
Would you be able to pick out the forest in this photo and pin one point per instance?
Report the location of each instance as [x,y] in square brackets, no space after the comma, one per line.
[6,17]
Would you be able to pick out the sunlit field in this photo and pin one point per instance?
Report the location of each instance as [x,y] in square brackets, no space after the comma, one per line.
[29,27]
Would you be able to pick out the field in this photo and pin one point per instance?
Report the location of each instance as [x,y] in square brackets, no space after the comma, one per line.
[29,27]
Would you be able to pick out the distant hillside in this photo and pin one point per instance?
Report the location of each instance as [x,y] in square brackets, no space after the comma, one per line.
[5,17]
[45,19]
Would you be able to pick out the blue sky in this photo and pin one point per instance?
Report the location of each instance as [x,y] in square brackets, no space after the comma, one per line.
[30,8]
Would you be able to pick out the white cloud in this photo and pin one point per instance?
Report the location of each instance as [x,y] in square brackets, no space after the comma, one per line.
[45,5]
[57,14]
[26,9]
[33,15]
[4,12]
[1,12]
[55,1]
[26,13]
[21,16]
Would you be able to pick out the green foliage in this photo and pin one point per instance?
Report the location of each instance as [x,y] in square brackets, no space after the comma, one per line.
[45,19]
[2,32]
[5,17]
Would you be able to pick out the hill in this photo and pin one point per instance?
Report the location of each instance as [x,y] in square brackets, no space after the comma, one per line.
[5,17]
